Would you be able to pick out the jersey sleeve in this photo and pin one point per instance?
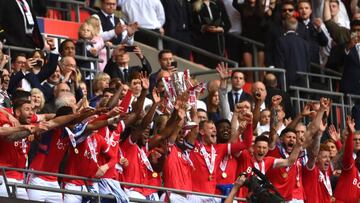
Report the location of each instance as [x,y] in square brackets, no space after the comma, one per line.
[348,160]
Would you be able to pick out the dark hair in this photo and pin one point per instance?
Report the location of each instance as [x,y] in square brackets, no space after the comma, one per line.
[202,123]
[110,90]
[237,71]
[164,51]
[19,103]
[201,110]
[286,130]
[17,55]
[62,45]
[324,147]
[64,110]
[334,1]
[222,121]
[305,1]
[262,138]
[42,54]
[355,23]
[287,2]
[20,94]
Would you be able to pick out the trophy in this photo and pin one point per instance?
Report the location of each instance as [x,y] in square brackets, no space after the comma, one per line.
[176,85]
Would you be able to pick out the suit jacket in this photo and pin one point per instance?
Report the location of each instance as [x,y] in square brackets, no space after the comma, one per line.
[315,40]
[34,79]
[177,16]
[107,25]
[12,24]
[243,96]
[114,71]
[350,81]
[292,54]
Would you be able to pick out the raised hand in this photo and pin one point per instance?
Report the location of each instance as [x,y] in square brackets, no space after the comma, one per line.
[156,96]
[307,109]
[300,140]
[223,70]
[325,103]
[50,42]
[334,134]
[350,124]
[144,80]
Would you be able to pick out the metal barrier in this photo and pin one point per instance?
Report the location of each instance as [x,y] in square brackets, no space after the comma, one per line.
[308,75]
[298,99]
[244,69]
[11,193]
[351,98]
[69,5]
[190,47]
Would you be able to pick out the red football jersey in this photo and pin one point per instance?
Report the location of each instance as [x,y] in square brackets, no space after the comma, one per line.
[84,163]
[229,175]
[50,161]
[287,180]
[315,187]
[177,169]
[112,139]
[13,154]
[348,187]
[247,162]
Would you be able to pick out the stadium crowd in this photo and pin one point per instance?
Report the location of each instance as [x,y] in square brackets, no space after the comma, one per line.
[125,123]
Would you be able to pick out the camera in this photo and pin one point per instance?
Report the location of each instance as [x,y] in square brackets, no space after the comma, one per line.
[129,48]
[262,190]
[38,63]
[174,64]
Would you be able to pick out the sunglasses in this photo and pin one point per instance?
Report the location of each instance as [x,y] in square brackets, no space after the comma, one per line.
[287,10]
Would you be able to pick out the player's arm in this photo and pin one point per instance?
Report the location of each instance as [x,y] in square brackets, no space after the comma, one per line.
[313,134]
[191,137]
[305,112]
[275,102]
[237,185]
[348,160]
[109,156]
[150,115]
[7,131]
[113,101]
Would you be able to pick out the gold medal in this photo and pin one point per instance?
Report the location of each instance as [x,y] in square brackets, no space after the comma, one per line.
[224,175]
[285,175]
[210,177]
[298,184]
[333,199]
[76,151]
[26,157]
[154,175]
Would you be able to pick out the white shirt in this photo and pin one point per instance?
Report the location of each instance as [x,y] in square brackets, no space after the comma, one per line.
[108,35]
[233,94]
[234,17]
[148,13]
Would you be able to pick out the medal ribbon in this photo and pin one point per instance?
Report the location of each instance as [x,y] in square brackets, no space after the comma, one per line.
[71,137]
[223,163]
[186,156]
[23,148]
[145,160]
[326,180]
[210,165]
[92,148]
[256,165]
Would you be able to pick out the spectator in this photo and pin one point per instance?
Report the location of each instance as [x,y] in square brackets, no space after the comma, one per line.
[89,47]
[18,25]
[5,78]
[212,103]
[119,66]
[314,32]
[237,93]
[100,83]
[114,29]
[153,19]
[37,100]
[253,27]
[67,48]
[165,58]
[177,25]
[210,24]
[292,53]
[202,115]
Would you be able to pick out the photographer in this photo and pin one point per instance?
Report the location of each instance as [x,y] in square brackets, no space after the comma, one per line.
[118,67]
[28,73]
[240,181]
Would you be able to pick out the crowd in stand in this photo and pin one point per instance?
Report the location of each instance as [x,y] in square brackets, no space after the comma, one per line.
[160,128]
